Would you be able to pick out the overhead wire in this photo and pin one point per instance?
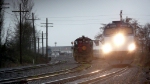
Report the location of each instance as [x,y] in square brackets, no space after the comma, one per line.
[95,16]
[70,18]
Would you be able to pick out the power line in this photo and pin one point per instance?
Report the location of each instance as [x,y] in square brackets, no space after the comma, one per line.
[97,15]
[81,16]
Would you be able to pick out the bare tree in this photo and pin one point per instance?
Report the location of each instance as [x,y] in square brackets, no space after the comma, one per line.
[26,29]
[1,20]
[99,36]
[26,5]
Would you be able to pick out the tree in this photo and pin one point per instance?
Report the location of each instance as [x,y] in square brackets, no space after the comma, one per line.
[27,30]
[145,32]
[99,36]
[26,5]
[1,20]
[26,27]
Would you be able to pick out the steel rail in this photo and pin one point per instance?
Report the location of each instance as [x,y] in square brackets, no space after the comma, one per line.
[44,75]
[102,77]
[69,79]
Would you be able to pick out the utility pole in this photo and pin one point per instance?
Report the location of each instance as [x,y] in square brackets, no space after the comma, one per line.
[33,31]
[31,41]
[121,15]
[47,35]
[42,43]
[20,33]
[38,45]
[55,48]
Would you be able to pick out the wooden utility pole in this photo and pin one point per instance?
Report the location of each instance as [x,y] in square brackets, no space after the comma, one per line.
[20,33]
[42,43]
[38,45]
[47,35]
[121,15]
[33,31]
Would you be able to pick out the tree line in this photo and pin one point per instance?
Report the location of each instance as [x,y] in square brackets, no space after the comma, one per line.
[10,38]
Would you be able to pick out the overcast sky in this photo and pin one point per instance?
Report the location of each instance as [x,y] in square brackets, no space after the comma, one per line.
[74,18]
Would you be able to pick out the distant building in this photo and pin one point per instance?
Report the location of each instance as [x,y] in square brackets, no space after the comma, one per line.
[58,50]
[63,50]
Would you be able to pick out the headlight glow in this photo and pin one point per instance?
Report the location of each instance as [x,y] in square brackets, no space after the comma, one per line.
[107,48]
[131,47]
[118,39]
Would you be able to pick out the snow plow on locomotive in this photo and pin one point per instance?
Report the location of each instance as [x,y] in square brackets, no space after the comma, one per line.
[83,50]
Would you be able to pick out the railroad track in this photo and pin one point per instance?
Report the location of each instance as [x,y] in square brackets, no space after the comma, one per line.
[45,75]
[30,67]
[81,79]
[103,77]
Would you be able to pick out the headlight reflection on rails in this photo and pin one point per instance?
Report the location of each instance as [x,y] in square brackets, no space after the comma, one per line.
[107,48]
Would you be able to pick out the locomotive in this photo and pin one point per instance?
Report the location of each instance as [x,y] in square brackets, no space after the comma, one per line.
[83,50]
[119,42]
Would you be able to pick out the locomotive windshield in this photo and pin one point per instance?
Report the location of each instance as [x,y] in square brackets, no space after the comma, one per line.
[111,31]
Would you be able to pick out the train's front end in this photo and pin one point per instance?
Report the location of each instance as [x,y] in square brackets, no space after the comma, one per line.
[119,42]
[83,50]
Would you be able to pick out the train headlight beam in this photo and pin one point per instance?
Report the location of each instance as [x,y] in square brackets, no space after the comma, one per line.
[107,48]
[131,47]
[118,39]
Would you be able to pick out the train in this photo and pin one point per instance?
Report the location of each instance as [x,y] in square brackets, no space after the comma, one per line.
[119,43]
[83,50]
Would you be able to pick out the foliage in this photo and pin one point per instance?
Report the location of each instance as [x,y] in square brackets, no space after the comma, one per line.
[10,50]
[26,5]
[1,19]
[6,54]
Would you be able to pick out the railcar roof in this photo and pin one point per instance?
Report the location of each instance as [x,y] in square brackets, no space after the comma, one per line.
[80,38]
[118,24]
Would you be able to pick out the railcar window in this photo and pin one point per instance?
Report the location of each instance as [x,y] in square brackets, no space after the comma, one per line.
[127,30]
[75,42]
[110,31]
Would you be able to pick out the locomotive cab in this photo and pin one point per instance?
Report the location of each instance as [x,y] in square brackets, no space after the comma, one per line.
[119,41]
[83,49]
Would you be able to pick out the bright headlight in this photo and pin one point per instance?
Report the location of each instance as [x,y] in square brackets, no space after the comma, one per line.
[131,47]
[118,39]
[107,48]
